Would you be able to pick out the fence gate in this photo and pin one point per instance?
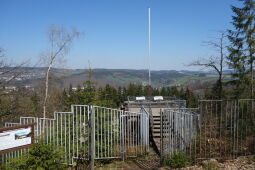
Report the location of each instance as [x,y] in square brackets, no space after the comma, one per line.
[117,133]
[179,128]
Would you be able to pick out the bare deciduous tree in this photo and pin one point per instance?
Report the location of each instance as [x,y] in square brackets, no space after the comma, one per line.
[8,69]
[60,41]
[215,62]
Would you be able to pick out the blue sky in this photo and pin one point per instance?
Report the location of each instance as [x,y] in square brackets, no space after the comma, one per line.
[115,33]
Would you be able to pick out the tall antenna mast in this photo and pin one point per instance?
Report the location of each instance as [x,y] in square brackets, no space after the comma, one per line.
[89,72]
[149,52]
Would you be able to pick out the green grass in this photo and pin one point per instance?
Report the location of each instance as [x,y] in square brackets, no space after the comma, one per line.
[123,79]
[193,78]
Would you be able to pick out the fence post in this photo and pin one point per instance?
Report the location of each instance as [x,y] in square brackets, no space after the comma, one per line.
[92,154]
[123,125]
[161,138]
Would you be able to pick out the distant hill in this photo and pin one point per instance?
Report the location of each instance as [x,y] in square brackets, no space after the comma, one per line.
[116,77]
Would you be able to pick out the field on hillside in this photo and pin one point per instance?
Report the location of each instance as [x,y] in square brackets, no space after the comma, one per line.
[115,77]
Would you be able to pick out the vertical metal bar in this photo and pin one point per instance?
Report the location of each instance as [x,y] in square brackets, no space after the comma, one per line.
[206,118]
[190,134]
[80,128]
[89,129]
[136,130]
[221,113]
[101,127]
[167,135]
[73,123]
[104,125]
[77,130]
[65,137]
[108,132]
[246,120]
[210,126]
[50,131]
[226,121]
[110,124]
[47,131]
[61,130]
[92,159]
[177,131]
[216,126]
[57,130]
[173,124]
[231,129]
[114,132]
[182,135]
[98,131]
[242,121]
[169,130]
[235,130]
[238,120]
[200,129]
[118,133]
[85,109]
[140,133]
[122,135]
[69,136]
[134,134]
[186,141]
[253,123]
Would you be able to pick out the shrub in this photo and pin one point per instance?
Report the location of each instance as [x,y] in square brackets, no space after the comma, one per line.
[177,160]
[211,164]
[40,156]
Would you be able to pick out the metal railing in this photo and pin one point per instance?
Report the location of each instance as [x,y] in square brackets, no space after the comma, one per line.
[179,127]
[227,129]
[117,133]
[220,129]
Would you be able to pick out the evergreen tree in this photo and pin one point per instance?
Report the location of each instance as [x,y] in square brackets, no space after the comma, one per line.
[139,90]
[155,92]
[148,90]
[163,92]
[242,46]
[89,92]
[190,98]
[131,90]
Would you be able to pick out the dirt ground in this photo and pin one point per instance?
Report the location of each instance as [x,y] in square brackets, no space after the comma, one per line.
[118,165]
[241,163]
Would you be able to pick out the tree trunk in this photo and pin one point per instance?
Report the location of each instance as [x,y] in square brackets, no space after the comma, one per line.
[46,95]
[251,70]
[46,91]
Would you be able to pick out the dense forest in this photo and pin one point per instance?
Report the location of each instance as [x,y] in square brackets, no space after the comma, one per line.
[29,102]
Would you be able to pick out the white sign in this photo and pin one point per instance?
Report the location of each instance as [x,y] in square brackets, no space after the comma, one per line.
[140,98]
[15,138]
[158,97]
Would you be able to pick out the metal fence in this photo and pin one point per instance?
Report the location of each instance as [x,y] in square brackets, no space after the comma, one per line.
[220,129]
[117,133]
[179,128]
[227,129]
